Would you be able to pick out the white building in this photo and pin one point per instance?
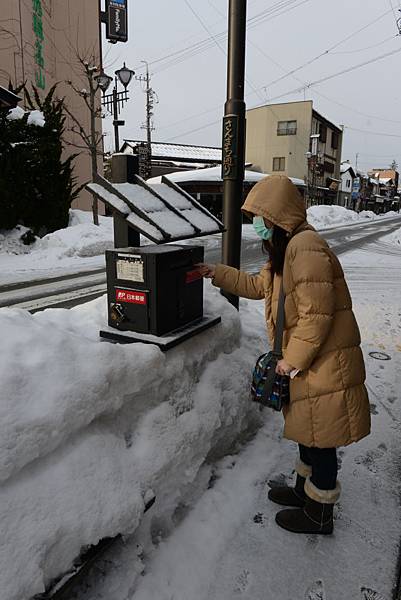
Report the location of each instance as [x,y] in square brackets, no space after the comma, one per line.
[347,179]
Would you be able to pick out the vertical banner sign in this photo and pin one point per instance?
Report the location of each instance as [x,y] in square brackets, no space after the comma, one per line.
[229,168]
[145,164]
[37,25]
[117,22]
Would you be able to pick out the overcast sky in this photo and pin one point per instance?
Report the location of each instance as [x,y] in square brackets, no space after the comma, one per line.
[186,50]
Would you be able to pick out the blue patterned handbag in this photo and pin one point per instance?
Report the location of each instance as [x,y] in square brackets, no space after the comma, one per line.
[268,388]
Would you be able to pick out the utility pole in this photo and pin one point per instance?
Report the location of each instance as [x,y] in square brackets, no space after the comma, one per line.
[145,168]
[233,144]
[356,162]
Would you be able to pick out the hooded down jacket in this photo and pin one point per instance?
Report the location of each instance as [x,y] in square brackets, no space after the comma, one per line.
[329,404]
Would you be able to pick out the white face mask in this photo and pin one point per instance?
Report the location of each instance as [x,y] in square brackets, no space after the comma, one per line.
[265,233]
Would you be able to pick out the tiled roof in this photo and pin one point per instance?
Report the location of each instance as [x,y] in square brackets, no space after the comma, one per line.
[180,152]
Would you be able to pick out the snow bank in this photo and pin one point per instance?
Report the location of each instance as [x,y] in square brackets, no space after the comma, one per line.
[87,428]
[11,242]
[322,217]
[79,246]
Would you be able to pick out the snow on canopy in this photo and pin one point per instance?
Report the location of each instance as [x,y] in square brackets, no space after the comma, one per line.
[159,210]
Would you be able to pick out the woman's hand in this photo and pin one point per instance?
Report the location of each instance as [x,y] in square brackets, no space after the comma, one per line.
[206,270]
[283,368]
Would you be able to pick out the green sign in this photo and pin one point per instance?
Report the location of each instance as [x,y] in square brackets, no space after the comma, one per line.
[230,147]
[37,25]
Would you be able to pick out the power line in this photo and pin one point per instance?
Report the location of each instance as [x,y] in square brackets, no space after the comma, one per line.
[194,130]
[377,133]
[312,84]
[218,44]
[291,73]
[329,50]
[175,58]
[358,112]
[393,9]
[333,75]
[392,37]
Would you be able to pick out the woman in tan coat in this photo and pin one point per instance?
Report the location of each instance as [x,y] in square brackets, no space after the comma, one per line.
[329,405]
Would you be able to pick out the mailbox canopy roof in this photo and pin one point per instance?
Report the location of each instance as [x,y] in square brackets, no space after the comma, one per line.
[160,211]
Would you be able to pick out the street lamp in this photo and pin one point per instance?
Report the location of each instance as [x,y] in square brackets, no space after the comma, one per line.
[125,75]
[103,81]
[115,101]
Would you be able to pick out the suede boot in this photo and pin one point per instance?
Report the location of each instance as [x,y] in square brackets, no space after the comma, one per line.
[292,496]
[289,496]
[316,516]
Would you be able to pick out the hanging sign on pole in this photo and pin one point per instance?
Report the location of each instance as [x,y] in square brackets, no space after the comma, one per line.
[117,21]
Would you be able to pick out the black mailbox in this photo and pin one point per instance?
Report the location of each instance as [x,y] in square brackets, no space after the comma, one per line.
[154,289]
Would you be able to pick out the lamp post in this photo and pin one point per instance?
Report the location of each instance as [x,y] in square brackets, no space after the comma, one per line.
[234,138]
[115,101]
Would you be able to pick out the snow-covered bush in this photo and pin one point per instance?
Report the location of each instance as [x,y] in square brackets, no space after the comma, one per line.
[36,184]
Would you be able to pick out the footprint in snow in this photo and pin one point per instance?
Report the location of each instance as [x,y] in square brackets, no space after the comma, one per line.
[369,594]
[242,581]
[260,519]
[316,591]
[279,480]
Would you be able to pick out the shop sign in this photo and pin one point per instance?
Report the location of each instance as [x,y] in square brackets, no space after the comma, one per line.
[117,21]
[356,186]
[37,25]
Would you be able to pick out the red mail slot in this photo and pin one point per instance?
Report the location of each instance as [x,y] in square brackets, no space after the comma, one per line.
[131,296]
[192,276]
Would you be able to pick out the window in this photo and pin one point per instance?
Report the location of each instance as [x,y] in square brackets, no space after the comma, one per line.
[348,183]
[328,167]
[323,132]
[334,140]
[279,163]
[287,128]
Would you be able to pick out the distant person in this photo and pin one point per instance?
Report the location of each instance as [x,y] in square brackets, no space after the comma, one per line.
[329,404]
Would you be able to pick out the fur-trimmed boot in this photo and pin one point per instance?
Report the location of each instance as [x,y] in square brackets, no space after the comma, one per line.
[316,516]
[292,496]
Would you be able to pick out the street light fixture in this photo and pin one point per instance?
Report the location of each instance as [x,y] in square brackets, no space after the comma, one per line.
[115,101]
[103,81]
[125,75]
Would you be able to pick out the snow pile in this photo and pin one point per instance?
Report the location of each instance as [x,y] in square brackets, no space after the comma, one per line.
[367,214]
[322,217]
[11,241]
[81,238]
[89,428]
[79,246]
[218,544]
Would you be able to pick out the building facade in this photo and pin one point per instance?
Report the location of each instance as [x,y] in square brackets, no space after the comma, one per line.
[295,140]
[348,176]
[40,42]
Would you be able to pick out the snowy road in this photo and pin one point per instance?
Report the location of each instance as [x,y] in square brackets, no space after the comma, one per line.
[224,543]
[68,291]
